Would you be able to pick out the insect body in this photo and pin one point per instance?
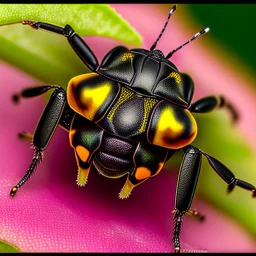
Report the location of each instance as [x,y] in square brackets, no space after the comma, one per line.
[128,117]
[135,115]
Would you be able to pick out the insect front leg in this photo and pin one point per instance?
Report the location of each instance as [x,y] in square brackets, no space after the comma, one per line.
[85,137]
[210,103]
[44,131]
[187,181]
[77,43]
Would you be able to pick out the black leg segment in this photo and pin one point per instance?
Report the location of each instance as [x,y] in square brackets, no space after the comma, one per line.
[66,117]
[210,103]
[77,43]
[32,92]
[228,176]
[44,131]
[187,181]
[178,219]
[188,177]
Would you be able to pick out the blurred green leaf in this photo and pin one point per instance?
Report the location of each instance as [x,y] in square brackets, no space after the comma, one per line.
[86,19]
[48,56]
[7,247]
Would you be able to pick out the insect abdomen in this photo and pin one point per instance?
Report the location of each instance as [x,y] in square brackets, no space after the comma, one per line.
[114,157]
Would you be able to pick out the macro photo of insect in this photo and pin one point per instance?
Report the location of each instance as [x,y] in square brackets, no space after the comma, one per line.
[128,128]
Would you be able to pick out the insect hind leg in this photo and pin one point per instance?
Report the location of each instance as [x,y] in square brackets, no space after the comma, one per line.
[85,137]
[148,162]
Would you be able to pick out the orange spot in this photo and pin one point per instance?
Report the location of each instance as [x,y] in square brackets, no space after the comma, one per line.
[82,152]
[142,173]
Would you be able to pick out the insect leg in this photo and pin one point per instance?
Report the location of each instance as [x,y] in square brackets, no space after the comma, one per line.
[25,136]
[228,176]
[44,132]
[210,103]
[77,43]
[32,92]
[85,137]
[186,186]
[148,162]
[195,213]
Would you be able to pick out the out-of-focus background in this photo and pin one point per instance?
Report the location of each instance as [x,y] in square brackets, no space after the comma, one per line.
[50,213]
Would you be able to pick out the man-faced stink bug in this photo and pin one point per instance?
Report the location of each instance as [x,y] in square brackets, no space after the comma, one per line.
[128,117]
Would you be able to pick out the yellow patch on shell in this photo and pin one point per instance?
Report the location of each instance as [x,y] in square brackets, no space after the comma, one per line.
[176,76]
[127,56]
[169,130]
[167,126]
[93,98]
[142,173]
[82,152]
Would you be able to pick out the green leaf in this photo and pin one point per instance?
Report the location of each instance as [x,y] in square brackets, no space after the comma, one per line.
[86,19]
[48,56]
[7,247]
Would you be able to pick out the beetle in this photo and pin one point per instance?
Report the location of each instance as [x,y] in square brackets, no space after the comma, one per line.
[128,117]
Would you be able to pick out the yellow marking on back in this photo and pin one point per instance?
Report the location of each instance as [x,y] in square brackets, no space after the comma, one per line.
[93,98]
[176,76]
[142,173]
[149,103]
[167,126]
[124,96]
[82,152]
[169,130]
[127,56]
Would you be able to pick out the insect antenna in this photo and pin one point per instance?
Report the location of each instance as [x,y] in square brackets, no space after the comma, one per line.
[193,38]
[169,16]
